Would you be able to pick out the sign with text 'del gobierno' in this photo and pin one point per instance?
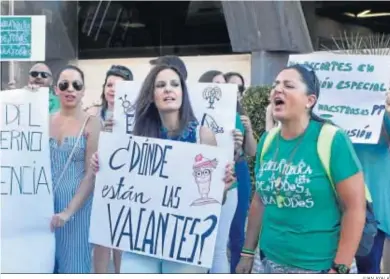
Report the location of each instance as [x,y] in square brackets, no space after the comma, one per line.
[27,244]
[22,38]
[144,205]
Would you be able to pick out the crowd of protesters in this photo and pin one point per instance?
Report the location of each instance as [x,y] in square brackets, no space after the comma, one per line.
[293,222]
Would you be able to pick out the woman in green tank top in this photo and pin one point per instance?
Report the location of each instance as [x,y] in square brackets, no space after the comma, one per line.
[295,217]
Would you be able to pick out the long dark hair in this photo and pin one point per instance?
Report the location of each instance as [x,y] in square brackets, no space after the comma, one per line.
[209,76]
[118,71]
[309,77]
[229,75]
[147,118]
[241,88]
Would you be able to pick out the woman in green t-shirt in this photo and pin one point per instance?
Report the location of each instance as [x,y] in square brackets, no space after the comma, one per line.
[295,216]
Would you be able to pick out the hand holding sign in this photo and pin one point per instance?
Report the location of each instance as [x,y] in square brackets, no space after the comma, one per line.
[95,162]
[246,122]
[238,140]
[388,102]
[230,176]
[142,205]
[32,87]
[108,124]
[12,85]
[229,179]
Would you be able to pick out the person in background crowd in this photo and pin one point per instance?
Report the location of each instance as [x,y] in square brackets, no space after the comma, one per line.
[236,78]
[105,111]
[173,61]
[312,235]
[237,229]
[220,260]
[40,75]
[173,120]
[73,139]
[375,158]
[212,76]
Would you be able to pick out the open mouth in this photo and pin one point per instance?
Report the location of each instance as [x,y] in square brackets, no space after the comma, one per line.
[169,99]
[278,102]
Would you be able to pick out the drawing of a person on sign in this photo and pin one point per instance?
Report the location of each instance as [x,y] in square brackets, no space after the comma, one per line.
[212,94]
[203,169]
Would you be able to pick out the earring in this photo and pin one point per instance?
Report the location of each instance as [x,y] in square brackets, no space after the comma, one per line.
[307,106]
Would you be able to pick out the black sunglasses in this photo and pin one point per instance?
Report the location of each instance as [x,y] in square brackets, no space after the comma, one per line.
[64,85]
[35,74]
[307,67]
[311,70]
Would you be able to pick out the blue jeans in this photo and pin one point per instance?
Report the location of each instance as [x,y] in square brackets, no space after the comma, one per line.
[371,264]
[237,228]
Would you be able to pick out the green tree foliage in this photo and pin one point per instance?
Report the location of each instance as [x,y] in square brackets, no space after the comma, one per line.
[255,102]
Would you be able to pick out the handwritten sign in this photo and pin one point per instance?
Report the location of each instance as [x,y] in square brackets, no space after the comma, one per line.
[353,89]
[27,206]
[126,94]
[214,106]
[142,204]
[22,38]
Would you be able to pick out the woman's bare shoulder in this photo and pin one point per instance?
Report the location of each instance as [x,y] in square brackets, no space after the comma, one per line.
[94,123]
[93,110]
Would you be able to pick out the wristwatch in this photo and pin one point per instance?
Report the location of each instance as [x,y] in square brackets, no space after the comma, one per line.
[340,268]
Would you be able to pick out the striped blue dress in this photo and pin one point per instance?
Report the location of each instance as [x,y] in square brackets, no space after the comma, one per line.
[73,251]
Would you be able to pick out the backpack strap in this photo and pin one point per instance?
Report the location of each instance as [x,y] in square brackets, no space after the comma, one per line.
[268,140]
[324,150]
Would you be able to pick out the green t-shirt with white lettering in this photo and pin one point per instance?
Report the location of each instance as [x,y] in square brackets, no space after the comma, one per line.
[304,232]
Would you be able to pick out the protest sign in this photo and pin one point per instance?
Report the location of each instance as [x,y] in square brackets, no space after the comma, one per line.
[352,94]
[144,204]
[27,245]
[214,106]
[126,93]
[22,38]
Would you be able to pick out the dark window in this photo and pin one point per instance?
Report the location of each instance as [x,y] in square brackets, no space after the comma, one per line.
[112,29]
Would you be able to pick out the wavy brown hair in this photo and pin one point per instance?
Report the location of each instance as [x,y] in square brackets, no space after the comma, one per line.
[147,118]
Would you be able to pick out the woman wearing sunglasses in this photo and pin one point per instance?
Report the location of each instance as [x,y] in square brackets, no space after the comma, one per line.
[295,215]
[73,139]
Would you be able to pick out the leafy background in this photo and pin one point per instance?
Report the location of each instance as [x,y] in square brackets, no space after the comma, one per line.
[255,102]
